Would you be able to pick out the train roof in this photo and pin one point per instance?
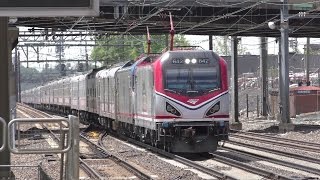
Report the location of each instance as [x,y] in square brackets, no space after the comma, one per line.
[189,54]
[113,71]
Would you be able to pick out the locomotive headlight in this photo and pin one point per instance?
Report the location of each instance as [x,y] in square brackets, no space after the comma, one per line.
[213,109]
[187,61]
[170,109]
[193,61]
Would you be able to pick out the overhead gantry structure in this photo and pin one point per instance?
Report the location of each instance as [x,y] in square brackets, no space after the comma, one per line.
[205,17]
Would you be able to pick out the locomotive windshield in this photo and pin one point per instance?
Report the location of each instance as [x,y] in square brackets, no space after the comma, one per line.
[191,73]
[192,80]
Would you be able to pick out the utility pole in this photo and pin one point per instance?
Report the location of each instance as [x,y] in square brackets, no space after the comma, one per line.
[210,43]
[285,124]
[264,75]
[19,78]
[87,56]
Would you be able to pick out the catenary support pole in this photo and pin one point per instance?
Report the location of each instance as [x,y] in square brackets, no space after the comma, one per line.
[264,75]
[279,71]
[308,60]
[19,78]
[285,124]
[16,63]
[235,124]
[4,92]
[210,43]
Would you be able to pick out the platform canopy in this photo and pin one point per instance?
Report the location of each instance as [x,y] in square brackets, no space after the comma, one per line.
[49,8]
[197,17]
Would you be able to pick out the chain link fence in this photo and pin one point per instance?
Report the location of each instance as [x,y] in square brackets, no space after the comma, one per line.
[304,100]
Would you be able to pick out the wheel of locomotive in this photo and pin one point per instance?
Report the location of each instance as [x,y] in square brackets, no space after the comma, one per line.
[154,142]
[168,147]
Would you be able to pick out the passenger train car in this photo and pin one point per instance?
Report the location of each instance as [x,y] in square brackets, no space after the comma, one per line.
[178,100]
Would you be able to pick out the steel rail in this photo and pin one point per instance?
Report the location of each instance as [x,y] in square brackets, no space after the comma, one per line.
[249,168]
[275,142]
[277,138]
[117,160]
[273,151]
[203,169]
[35,113]
[212,172]
[90,171]
[272,160]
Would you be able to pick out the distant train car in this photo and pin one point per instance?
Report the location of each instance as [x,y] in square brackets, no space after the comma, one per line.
[37,96]
[74,91]
[107,93]
[66,101]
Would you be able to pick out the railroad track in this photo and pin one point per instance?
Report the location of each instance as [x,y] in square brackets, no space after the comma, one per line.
[269,137]
[215,173]
[276,141]
[34,113]
[100,152]
[277,152]
[259,171]
[105,155]
[89,170]
[273,160]
[216,157]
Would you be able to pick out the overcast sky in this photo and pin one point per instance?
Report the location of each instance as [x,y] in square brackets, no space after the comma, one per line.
[251,44]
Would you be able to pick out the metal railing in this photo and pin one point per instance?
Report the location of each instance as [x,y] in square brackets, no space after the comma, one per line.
[4,133]
[18,139]
[34,136]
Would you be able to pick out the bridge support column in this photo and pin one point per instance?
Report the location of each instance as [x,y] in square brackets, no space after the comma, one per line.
[4,94]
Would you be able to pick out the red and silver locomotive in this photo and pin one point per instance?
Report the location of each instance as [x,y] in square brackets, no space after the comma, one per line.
[179,100]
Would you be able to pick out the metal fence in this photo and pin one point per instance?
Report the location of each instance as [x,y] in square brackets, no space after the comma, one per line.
[250,102]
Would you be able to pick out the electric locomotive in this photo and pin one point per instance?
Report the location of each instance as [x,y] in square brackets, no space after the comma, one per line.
[178,101]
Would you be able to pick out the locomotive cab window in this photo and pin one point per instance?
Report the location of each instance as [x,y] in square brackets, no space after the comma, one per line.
[199,80]
[191,76]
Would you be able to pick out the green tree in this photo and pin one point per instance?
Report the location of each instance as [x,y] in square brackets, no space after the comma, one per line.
[29,74]
[114,49]
[223,46]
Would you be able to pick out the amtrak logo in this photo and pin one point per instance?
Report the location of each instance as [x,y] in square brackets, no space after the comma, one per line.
[193,101]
